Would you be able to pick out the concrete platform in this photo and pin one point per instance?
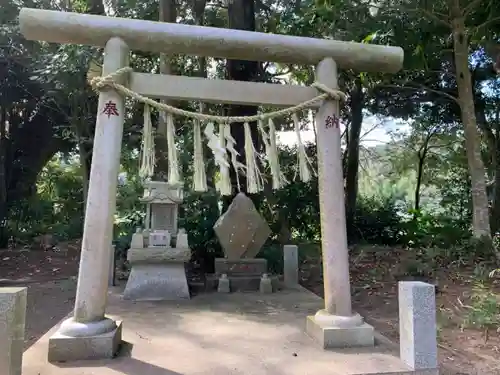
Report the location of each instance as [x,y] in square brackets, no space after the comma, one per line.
[221,334]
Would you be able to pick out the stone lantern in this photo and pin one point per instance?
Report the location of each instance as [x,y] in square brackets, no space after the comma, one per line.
[158,253]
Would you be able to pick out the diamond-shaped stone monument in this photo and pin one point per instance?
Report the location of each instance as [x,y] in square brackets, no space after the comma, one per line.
[242,232]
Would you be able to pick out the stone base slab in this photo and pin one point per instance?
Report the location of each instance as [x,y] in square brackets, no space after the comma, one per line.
[65,348]
[157,282]
[241,283]
[240,267]
[330,337]
[153,255]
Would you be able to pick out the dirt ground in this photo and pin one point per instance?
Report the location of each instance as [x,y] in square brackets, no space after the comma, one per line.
[51,280]
[462,351]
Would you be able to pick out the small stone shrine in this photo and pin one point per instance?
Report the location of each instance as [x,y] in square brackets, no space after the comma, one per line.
[242,232]
[158,253]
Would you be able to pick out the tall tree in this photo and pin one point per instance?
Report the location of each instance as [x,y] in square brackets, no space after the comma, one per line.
[241,16]
[167,13]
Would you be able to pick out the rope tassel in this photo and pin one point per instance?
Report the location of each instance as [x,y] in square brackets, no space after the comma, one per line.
[173,162]
[216,144]
[147,165]
[199,175]
[272,154]
[254,179]
[304,162]
[225,187]
[230,142]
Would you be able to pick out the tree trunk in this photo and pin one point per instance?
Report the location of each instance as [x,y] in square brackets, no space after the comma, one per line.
[241,16]
[495,211]
[199,17]
[420,172]
[480,220]
[168,13]
[3,178]
[96,7]
[352,163]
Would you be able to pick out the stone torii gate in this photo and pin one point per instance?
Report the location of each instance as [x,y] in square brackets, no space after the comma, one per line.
[89,333]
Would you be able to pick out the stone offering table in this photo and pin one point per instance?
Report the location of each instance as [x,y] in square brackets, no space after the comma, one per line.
[158,269]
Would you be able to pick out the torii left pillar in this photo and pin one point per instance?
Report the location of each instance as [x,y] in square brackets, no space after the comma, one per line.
[89,334]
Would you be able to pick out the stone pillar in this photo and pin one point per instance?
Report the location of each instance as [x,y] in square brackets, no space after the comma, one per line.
[291,265]
[12,320]
[417,325]
[112,266]
[89,334]
[148,217]
[336,325]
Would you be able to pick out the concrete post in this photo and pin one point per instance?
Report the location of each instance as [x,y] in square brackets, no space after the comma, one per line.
[112,266]
[12,320]
[417,324]
[336,325]
[147,225]
[291,265]
[92,290]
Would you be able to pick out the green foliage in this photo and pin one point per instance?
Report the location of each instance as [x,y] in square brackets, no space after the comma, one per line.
[57,207]
[433,231]
[201,211]
[376,221]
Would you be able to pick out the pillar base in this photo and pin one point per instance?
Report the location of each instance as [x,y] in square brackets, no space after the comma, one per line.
[64,347]
[332,331]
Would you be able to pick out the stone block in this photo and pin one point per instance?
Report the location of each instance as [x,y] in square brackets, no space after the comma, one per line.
[241,283]
[12,321]
[241,230]
[153,255]
[137,240]
[239,267]
[224,285]
[330,337]
[291,265]
[182,239]
[266,285]
[417,324]
[64,348]
[157,282]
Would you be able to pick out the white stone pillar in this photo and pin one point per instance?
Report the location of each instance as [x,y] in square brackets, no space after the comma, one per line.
[336,325]
[92,290]
[291,265]
[112,266]
[148,217]
[12,321]
[417,325]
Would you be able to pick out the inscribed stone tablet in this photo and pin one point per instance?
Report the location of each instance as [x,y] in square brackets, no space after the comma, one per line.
[241,230]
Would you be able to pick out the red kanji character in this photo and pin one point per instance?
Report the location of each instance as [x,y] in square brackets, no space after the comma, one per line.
[110,109]
[332,121]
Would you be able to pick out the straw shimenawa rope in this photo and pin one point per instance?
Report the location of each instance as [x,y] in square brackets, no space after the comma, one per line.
[109,81]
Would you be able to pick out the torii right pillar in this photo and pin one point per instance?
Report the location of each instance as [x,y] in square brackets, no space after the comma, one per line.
[335,326]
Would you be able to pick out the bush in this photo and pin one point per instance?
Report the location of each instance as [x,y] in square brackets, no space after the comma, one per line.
[376,221]
[425,230]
